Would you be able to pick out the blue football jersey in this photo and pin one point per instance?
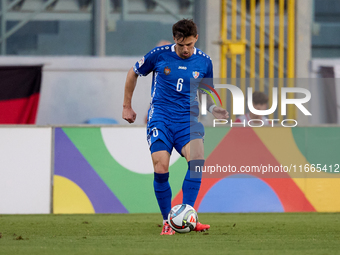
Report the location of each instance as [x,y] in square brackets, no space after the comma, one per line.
[175,82]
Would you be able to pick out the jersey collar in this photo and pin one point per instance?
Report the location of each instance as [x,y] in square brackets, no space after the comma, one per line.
[173,48]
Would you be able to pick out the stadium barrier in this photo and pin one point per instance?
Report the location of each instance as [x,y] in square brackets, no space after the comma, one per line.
[25,170]
[109,170]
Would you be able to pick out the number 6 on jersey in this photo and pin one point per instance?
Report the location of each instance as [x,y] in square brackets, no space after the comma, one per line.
[179,84]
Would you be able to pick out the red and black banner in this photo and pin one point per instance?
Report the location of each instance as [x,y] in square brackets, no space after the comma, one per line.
[19,94]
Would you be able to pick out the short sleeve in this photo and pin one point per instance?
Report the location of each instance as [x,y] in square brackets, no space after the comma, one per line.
[209,73]
[147,64]
[207,81]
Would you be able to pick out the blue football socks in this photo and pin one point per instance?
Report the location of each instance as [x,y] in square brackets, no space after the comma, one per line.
[163,193]
[192,181]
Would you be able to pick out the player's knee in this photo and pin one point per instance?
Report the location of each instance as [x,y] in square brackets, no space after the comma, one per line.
[161,167]
[160,163]
[195,156]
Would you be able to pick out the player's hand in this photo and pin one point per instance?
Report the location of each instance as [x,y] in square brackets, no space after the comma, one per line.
[129,115]
[220,113]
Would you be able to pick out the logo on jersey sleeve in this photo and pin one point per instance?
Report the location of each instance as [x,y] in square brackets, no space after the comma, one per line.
[167,70]
[141,62]
[195,74]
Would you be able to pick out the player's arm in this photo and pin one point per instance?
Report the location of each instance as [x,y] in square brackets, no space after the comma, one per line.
[218,112]
[131,80]
[142,68]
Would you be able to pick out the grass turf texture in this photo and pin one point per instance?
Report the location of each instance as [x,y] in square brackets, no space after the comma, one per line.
[283,233]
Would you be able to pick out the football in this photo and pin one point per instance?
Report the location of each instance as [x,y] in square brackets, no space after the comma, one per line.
[182,218]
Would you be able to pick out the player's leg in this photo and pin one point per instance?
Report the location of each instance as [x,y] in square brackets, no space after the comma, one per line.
[193,152]
[190,144]
[161,184]
[159,139]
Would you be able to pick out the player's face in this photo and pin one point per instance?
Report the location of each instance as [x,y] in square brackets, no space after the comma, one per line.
[185,47]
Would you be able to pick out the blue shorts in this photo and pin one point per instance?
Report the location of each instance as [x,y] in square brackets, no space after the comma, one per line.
[173,134]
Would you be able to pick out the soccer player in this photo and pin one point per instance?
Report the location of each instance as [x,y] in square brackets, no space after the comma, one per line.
[173,114]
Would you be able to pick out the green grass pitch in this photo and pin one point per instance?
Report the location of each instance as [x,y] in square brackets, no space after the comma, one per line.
[256,233]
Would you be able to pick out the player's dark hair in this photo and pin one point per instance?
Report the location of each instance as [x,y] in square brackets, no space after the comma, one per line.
[260,98]
[184,28]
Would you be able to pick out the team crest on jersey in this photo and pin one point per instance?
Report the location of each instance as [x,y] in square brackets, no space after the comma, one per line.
[195,74]
[167,70]
[141,62]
